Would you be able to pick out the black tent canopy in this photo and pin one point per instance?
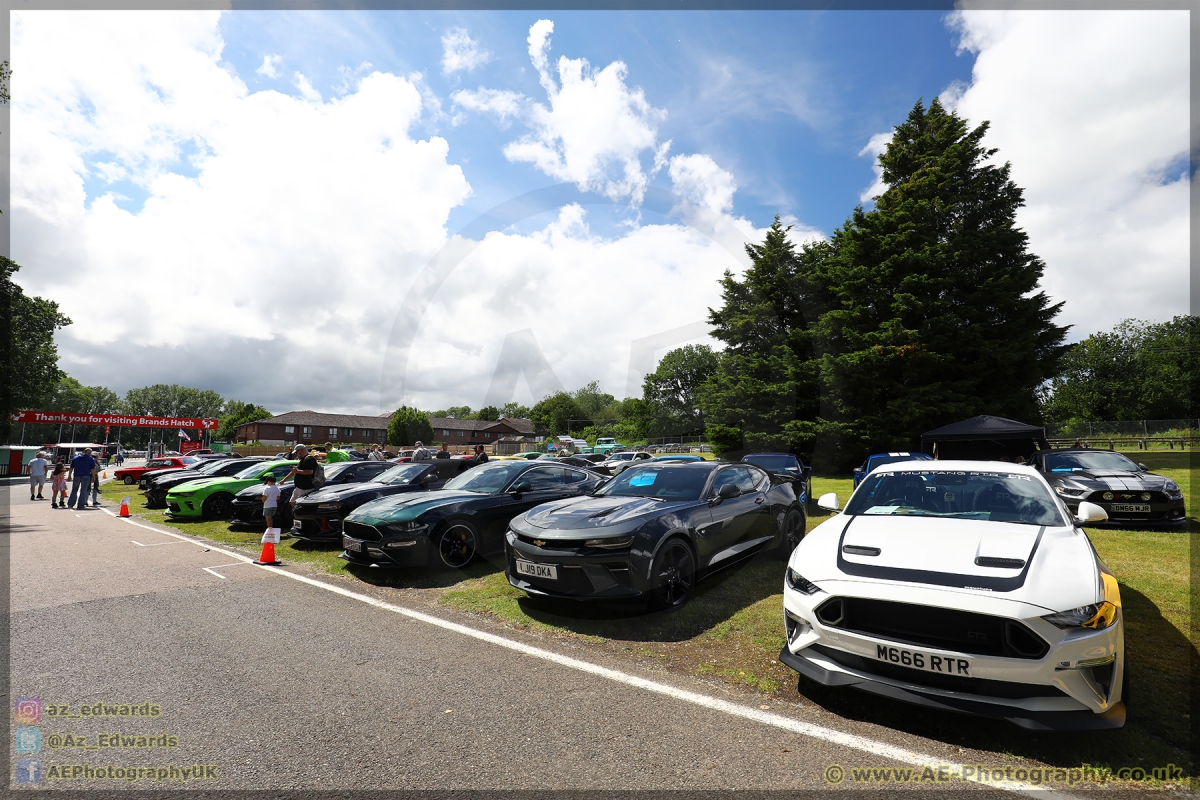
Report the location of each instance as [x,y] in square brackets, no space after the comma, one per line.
[984,437]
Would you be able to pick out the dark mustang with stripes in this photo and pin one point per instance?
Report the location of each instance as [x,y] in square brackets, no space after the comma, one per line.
[1132,495]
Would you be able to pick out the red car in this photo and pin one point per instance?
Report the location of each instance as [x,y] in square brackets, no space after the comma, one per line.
[131,475]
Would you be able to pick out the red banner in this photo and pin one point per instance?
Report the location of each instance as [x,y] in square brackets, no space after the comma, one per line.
[134,421]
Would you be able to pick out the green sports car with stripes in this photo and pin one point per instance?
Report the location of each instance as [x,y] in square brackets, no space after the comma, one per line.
[212,498]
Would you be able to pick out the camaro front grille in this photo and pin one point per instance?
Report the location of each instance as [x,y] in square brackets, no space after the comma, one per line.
[929,626]
[356,530]
[933,680]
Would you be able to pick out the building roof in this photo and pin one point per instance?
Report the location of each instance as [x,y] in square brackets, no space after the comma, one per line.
[380,422]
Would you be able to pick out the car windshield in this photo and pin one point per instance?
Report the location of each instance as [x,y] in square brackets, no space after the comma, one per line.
[960,494]
[488,478]
[622,456]
[401,474]
[773,463]
[1101,460]
[211,466]
[189,460]
[874,462]
[251,471]
[664,482]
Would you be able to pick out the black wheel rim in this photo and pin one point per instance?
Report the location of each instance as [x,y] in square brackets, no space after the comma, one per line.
[794,534]
[456,547]
[220,507]
[676,574]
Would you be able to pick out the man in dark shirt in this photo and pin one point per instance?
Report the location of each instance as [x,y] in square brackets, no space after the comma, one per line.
[303,472]
[444,452]
[82,467]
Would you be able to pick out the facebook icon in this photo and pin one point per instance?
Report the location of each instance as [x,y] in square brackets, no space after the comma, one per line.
[29,770]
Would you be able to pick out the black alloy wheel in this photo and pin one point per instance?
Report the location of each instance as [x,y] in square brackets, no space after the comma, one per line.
[219,506]
[674,574]
[128,480]
[793,532]
[456,544]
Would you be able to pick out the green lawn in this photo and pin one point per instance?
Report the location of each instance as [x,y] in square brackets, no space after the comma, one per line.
[732,631]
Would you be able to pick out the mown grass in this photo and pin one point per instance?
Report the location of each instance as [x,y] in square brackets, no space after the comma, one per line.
[732,631]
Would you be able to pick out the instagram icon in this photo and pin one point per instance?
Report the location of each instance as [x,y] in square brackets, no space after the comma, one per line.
[28,710]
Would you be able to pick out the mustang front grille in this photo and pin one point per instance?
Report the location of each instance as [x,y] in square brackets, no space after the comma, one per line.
[356,530]
[929,626]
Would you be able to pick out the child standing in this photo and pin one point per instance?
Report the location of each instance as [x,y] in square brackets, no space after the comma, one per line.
[270,501]
[58,486]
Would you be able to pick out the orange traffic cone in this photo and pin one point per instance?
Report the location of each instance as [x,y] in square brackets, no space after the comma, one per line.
[124,507]
[267,558]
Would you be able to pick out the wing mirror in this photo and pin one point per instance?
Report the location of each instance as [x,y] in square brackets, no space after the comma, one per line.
[1090,512]
[828,502]
[724,493]
[1143,467]
[522,487]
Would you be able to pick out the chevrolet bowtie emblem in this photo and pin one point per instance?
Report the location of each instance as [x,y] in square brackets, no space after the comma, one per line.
[539,543]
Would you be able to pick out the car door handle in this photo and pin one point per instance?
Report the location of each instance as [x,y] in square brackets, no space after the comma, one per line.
[758,500]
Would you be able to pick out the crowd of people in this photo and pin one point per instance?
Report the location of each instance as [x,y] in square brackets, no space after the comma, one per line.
[83,472]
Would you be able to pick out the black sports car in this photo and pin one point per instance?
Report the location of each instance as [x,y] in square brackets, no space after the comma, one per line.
[1132,495]
[247,504]
[787,466]
[318,517]
[467,517]
[157,487]
[652,531]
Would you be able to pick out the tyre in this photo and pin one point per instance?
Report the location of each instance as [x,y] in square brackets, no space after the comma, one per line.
[456,544]
[128,480]
[674,575]
[218,506]
[793,532]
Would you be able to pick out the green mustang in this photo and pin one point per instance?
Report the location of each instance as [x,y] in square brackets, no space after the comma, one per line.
[212,498]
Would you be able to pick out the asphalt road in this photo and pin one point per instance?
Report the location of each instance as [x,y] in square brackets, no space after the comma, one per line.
[282,684]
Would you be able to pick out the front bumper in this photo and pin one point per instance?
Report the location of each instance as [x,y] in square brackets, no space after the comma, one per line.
[1168,514]
[185,507]
[250,512]
[313,527]
[582,574]
[368,547]
[1043,693]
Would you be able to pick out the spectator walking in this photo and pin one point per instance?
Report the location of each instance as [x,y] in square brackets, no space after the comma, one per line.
[270,501]
[82,466]
[96,486]
[303,473]
[421,454]
[333,455]
[37,475]
[120,457]
[480,455]
[58,486]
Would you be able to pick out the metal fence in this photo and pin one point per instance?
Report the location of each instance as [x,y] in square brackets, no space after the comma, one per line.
[1125,429]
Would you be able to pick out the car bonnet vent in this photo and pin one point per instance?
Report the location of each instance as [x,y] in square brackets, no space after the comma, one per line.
[603,513]
[1003,563]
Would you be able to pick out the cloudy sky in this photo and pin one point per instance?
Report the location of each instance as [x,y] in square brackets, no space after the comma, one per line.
[344,211]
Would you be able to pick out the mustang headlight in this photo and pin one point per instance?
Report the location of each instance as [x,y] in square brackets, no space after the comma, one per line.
[1173,491]
[611,543]
[412,526]
[800,583]
[1072,490]
[1096,616]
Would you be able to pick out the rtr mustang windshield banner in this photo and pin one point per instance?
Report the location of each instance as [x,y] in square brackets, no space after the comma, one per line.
[129,421]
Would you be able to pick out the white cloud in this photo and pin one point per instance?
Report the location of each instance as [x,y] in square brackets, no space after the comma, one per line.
[270,66]
[595,128]
[699,181]
[307,91]
[267,269]
[504,104]
[460,51]
[874,148]
[1091,108]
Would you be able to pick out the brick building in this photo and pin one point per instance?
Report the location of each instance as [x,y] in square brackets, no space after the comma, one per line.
[308,427]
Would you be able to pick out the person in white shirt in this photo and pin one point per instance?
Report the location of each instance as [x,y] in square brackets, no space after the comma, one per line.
[37,475]
[421,454]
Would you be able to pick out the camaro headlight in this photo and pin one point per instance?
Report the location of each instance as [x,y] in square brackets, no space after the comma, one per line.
[1173,491]
[800,583]
[183,494]
[1096,616]
[610,544]
[329,506]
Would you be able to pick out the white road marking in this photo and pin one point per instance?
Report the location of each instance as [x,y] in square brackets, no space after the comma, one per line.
[214,567]
[156,544]
[849,740]
[209,570]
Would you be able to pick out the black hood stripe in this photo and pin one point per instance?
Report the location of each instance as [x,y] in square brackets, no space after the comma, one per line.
[931,578]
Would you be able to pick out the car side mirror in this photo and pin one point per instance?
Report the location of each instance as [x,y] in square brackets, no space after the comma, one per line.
[828,502]
[727,491]
[522,487]
[1090,512]
[1143,467]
